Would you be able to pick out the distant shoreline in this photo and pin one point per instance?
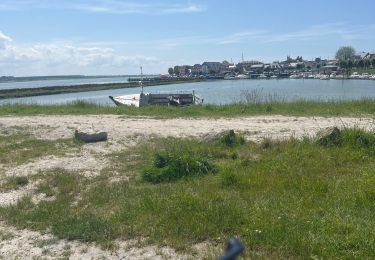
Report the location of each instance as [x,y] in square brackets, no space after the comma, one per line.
[53,90]
[10,79]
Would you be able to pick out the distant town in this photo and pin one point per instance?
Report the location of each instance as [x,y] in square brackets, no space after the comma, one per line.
[338,68]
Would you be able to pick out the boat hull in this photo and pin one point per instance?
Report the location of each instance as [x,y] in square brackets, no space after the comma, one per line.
[174,99]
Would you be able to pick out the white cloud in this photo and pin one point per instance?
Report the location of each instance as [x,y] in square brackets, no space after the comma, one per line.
[242,36]
[68,58]
[4,40]
[320,32]
[126,7]
[105,6]
[190,8]
[324,32]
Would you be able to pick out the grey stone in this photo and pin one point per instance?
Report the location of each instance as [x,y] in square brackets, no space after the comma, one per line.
[211,137]
[215,136]
[329,135]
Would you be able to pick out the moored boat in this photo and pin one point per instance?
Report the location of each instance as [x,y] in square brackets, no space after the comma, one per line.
[169,99]
[143,99]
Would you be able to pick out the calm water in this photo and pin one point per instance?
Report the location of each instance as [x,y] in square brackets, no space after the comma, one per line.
[224,92]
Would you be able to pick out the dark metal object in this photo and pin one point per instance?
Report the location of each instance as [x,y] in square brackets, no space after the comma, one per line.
[234,249]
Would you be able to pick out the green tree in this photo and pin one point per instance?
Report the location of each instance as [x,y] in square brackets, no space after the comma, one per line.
[345,53]
[300,66]
[176,70]
[343,64]
[373,63]
[361,64]
[170,71]
[367,64]
[318,66]
[346,67]
[350,64]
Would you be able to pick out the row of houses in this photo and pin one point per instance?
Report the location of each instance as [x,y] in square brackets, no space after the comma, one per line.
[290,65]
[365,55]
[252,67]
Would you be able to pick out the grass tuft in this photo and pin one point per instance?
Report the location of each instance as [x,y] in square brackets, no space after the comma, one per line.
[169,167]
[14,183]
[229,179]
[231,139]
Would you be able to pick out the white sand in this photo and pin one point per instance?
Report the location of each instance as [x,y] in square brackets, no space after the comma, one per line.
[120,128]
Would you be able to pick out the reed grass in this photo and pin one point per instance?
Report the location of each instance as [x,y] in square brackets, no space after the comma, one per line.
[272,107]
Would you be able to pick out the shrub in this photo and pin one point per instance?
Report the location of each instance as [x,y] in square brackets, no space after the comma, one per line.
[330,136]
[231,139]
[353,137]
[169,167]
[229,179]
[21,181]
[358,138]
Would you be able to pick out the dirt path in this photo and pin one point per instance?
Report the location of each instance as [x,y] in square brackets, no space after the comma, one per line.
[121,128]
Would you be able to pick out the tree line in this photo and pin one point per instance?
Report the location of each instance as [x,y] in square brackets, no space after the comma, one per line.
[347,60]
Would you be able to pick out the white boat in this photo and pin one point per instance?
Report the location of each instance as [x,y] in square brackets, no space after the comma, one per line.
[339,77]
[354,75]
[296,76]
[364,76]
[127,100]
[324,77]
[231,77]
[274,77]
[169,99]
[143,99]
[263,76]
[242,76]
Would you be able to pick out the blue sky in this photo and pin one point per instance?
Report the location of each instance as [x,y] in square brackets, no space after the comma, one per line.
[55,37]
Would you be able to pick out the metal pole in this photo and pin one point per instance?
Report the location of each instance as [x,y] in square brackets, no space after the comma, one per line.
[141,83]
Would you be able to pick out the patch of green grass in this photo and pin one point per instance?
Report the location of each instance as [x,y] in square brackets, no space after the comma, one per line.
[231,139]
[86,227]
[273,107]
[59,181]
[19,148]
[169,167]
[229,179]
[14,183]
[288,199]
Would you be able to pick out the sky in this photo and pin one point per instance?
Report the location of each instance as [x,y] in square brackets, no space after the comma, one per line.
[116,37]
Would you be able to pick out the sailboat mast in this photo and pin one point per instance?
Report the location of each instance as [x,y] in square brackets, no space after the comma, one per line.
[141,83]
